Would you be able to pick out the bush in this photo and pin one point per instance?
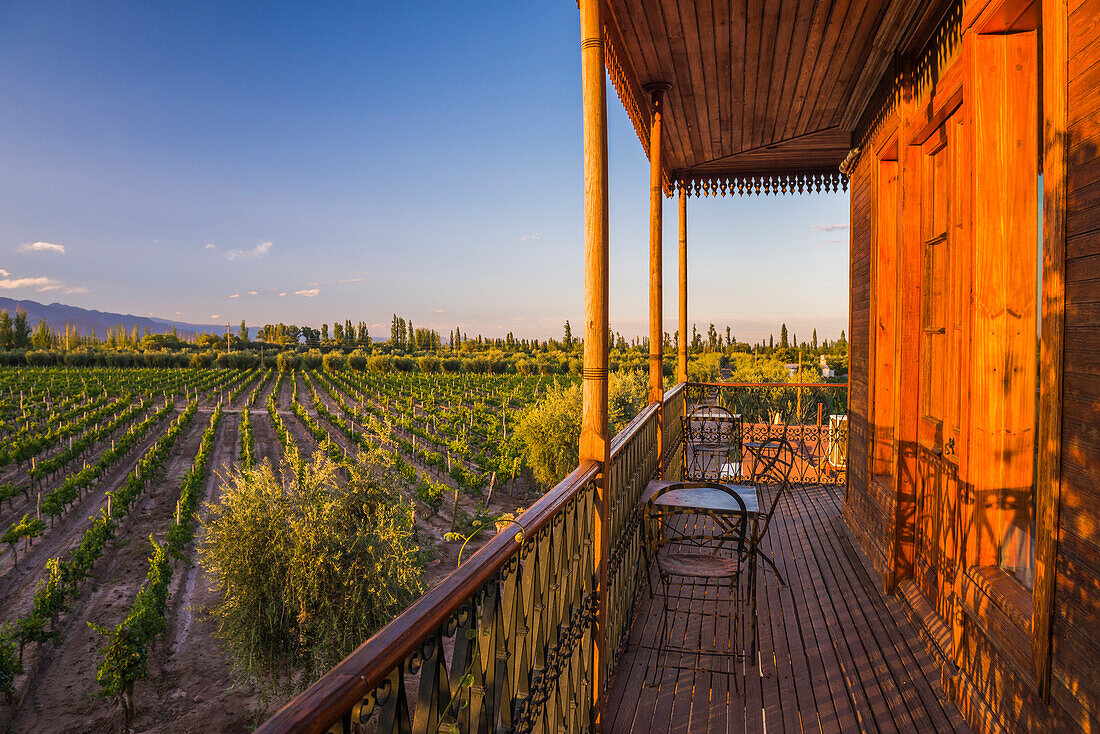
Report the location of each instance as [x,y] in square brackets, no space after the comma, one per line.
[379,363]
[707,368]
[404,364]
[287,361]
[311,360]
[309,570]
[452,365]
[333,361]
[550,430]
[202,359]
[428,364]
[357,360]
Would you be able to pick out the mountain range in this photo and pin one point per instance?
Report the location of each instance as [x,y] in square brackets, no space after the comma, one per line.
[58,314]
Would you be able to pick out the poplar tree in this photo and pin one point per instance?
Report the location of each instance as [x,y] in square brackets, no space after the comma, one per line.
[7,338]
[21,331]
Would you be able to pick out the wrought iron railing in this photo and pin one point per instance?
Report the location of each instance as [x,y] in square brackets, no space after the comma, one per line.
[813,417]
[505,642]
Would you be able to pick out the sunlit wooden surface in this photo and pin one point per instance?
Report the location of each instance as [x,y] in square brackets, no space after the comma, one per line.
[835,654]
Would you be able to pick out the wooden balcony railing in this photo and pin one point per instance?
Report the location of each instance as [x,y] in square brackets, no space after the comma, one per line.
[505,641]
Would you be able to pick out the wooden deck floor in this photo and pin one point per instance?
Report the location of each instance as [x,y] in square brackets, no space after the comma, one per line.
[835,655]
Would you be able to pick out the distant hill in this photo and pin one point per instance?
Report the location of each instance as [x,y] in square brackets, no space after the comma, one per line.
[58,314]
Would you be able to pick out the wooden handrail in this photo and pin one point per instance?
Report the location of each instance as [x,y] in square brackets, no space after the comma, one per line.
[323,703]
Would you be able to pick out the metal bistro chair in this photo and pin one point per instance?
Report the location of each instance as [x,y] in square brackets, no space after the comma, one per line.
[775,460]
[684,546]
[712,436]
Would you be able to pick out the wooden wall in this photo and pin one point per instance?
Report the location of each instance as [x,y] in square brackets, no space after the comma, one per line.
[994,682]
[1075,664]
[864,512]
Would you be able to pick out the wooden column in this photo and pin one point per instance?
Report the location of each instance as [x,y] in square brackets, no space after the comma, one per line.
[595,444]
[1055,114]
[682,348]
[656,267]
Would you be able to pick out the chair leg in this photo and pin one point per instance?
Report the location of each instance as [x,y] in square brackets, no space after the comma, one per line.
[752,604]
[771,564]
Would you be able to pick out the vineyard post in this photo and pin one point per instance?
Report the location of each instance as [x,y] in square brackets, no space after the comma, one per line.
[454,511]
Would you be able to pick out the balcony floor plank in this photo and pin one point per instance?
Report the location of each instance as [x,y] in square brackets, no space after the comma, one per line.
[835,654]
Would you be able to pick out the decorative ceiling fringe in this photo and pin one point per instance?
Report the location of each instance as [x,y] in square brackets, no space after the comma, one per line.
[766,184]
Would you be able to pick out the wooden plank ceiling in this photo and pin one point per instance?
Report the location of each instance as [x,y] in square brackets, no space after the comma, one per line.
[758,87]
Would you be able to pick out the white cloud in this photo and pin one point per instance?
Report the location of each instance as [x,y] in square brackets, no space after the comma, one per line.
[215,316]
[4,273]
[178,313]
[438,310]
[829,227]
[42,247]
[527,237]
[210,246]
[833,242]
[253,293]
[282,294]
[235,295]
[307,292]
[335,282]
[258,251]
[41,283]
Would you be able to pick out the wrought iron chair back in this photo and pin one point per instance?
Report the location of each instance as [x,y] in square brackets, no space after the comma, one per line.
[712,435]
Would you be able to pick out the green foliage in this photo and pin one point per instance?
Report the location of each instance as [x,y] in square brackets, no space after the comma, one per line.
[550,430]
[127,653]
[10,666]
[707,368]
[747,368]
[310,568]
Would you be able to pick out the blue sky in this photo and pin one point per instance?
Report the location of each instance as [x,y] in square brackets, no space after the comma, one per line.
[305,162]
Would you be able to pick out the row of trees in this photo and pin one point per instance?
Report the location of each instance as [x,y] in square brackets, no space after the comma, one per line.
[405,339]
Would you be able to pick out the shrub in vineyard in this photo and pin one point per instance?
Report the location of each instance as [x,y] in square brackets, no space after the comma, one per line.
[308,569]
[550,430]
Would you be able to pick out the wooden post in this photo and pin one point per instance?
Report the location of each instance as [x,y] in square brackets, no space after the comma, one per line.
[594,443]
[656,267]
[1048,483]
[681,348]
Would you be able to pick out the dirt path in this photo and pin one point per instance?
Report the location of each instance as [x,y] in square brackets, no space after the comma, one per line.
[190,687]
[62,696]
[267,443]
